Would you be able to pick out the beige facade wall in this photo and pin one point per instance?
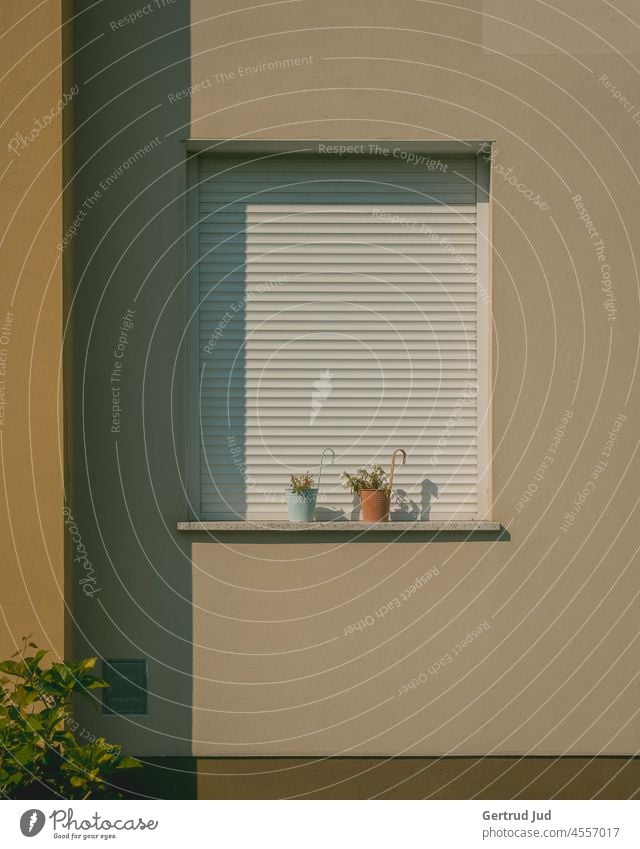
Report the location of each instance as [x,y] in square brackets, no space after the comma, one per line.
[245,635]
[31,534]
[274,672]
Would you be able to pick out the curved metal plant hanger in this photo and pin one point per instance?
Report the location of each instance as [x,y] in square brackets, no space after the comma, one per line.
[393,465]
[322,456]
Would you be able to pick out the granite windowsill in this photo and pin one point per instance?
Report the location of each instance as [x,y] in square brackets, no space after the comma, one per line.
[351,527]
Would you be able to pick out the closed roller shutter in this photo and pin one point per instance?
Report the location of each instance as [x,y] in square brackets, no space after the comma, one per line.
[338,307]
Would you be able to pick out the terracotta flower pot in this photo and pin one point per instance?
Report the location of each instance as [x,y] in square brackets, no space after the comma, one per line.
[375,505]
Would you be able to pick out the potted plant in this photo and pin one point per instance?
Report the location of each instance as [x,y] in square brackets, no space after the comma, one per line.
[302,497]
[372,485]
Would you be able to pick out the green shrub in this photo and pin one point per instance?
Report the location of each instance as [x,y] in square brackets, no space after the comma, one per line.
[39,751]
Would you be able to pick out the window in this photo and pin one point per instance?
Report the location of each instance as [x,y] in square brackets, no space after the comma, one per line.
[339,302]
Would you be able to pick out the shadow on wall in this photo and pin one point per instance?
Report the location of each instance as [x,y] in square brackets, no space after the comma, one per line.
[129,317]
[222,393]
[383,537]
[407,509]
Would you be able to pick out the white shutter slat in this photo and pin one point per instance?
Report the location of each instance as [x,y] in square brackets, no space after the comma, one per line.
[417,215]
[354,280]
[292,165]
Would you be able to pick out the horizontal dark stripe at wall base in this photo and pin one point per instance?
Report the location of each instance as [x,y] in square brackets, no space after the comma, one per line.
[496,777]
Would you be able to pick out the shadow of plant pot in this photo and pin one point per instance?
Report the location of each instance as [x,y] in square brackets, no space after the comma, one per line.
[374,505]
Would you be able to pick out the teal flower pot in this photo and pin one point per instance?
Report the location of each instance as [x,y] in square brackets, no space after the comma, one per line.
[302,505]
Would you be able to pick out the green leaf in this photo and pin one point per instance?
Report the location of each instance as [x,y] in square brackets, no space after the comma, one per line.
[38,656]
[25,753]
[12,667]
[96,684]
[128,763]
[34,722]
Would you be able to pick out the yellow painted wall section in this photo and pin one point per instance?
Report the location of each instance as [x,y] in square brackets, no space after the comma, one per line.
[31,530]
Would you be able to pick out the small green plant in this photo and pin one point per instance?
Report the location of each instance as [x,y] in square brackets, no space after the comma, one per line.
[370,477]
[302,483]
[38,747]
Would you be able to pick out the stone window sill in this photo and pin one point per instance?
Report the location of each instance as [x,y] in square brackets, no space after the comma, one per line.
[282,525]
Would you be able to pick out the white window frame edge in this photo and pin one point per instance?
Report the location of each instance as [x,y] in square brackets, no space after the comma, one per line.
[193,449]
[483,308]
[484,326]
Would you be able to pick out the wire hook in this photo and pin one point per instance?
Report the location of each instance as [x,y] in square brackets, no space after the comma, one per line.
[393,464]
[322,456]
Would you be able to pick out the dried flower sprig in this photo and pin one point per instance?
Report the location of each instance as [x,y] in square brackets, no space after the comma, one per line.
[302,483]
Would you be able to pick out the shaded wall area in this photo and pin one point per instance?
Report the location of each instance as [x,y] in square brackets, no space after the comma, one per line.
[133,589]
[419,778]
[385,778]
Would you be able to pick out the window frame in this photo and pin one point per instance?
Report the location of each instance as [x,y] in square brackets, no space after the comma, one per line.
[481,150]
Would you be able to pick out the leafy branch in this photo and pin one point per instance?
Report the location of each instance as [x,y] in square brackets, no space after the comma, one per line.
[37,744]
